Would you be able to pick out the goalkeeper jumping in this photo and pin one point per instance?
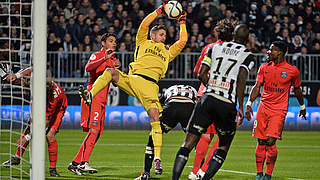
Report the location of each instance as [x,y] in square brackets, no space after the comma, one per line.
[150,64]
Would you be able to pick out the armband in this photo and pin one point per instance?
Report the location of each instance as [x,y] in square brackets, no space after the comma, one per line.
[303,107]
[18,75]
[248,103]
[28,137]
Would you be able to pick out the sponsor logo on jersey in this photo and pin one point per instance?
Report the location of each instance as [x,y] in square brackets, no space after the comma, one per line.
[284,74]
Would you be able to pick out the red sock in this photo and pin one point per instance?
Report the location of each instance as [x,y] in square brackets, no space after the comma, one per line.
[210,154]
[88,145]
[260,157]
[21,148]
[201,152]
[53,153]
[272,153]
[78,157]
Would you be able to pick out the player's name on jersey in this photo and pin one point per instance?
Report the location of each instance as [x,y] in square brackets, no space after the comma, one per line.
[229,51]
[219,83]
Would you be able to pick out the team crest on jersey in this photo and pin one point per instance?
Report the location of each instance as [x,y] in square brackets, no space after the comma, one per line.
[284,74]
[93,57]
[94,123]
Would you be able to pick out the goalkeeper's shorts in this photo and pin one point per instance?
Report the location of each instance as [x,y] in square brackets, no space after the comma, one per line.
[141,87]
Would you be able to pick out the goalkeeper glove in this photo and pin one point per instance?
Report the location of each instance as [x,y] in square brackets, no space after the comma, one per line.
[160,9]
[85,95]
[182,18]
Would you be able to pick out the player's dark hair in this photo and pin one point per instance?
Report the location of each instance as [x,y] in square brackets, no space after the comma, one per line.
[106,35]
[156,28]
[224,29]
[241,34]
[282,46]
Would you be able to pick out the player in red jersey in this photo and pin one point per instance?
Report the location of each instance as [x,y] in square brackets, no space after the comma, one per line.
[55,109]
[223,32]
[276,77]
[93,116]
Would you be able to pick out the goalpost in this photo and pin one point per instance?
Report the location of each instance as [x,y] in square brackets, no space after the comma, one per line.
[23,44]
[39,88]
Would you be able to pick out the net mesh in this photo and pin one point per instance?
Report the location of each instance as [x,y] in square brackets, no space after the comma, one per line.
[15,96]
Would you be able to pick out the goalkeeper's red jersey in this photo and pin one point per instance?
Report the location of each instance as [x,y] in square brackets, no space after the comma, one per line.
[96,66]
[56,104]
[277,80]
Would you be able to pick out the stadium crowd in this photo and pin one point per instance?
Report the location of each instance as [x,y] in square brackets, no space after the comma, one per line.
[77,25]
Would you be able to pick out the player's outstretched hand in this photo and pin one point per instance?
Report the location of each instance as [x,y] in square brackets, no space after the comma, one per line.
[248,113]
[85,95]
[240,117]
[160,9]
[182,18]
[303,114]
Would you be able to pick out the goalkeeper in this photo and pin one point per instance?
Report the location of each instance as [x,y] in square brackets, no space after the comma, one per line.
[150,64]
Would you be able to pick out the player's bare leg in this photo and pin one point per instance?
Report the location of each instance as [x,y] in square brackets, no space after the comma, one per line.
[156,133]
[219,155]
[182,156]
[53,151]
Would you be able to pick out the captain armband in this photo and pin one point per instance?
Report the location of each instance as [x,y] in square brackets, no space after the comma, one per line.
[18,75]
[302,107]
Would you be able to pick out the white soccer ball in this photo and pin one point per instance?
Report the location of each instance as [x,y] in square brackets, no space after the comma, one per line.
[173,9]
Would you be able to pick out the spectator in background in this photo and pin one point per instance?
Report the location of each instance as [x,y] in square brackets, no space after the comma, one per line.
[171,35]
[208,10]
[69,10]
[97,43]
[67,43]
[316,24]
[108,18]
[283,7]
[284,36]
[222,10]
[86,42]
[74,30]
[102,11]
[206,29]
[296,45]
[56,28]
[53,42]
[292,30]
[128,40]
[84,28]
[85,6]
[253,44]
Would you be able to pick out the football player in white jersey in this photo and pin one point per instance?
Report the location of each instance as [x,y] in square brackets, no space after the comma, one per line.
[178,102]
[228,65]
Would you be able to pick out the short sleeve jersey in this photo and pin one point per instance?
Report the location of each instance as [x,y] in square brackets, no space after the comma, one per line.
[224,61]
[57,102]
[277,80]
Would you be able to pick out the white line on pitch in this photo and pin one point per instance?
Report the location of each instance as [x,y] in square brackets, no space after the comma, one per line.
[223,170]
[174,145]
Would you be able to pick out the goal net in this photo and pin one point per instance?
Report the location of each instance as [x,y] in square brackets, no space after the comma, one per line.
[16,45]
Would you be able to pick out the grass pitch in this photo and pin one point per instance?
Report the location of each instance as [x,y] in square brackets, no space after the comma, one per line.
[120,155]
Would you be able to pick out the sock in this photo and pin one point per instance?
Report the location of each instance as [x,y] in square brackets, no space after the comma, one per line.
[180,162]
[201,152]
[215,163]
[215,145]
[156,137]
[272,153]
[149,155]
[77,159]
[21,148]
[260,157]
[88,145]
[53,153]
[101,83]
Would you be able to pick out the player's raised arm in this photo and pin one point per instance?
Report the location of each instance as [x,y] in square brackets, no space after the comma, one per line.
[177,47]
[142,34]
